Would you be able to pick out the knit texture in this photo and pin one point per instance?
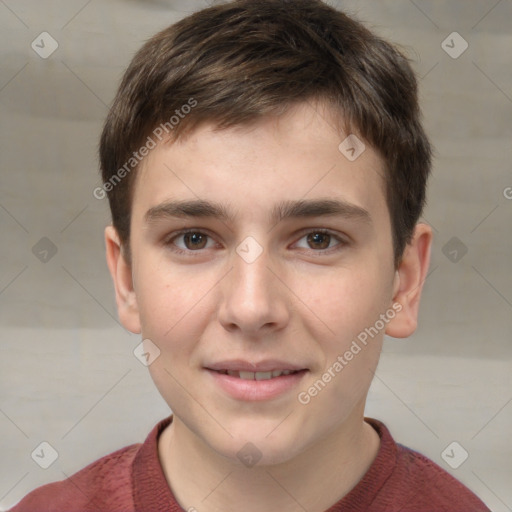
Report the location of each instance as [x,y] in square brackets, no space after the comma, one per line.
[132,480]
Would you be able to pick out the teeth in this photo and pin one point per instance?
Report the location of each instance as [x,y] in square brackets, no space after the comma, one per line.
[263,375]
[258,375]
[247,375]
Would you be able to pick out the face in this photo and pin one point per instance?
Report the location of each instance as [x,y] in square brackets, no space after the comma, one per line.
[258,251]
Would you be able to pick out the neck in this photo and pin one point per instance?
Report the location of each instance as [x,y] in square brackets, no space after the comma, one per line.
[202,479]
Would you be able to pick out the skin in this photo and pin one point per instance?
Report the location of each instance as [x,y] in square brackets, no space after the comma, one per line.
[303,300]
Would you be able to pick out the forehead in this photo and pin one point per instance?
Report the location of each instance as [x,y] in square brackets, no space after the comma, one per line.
[298,155]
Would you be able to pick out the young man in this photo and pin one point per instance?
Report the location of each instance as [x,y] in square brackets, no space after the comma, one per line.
[266,169]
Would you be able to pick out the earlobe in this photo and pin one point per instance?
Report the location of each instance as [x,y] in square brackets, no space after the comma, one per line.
[121,273]
[409,280]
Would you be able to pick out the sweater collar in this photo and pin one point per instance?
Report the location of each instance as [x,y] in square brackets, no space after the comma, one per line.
[367,489]
[152,492]
[150,488]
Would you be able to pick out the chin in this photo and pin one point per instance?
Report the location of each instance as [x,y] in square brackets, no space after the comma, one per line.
[258,454]
[252,444]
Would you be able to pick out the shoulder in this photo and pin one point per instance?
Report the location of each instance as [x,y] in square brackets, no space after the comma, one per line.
[403,479]
[105,484]
[427,486]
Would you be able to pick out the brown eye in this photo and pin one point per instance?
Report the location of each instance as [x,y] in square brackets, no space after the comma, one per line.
[319,240]
[195,240]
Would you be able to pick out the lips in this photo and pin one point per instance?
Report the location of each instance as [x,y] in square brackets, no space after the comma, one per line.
[262,370]
[256,375]
[266,365]
[263,380]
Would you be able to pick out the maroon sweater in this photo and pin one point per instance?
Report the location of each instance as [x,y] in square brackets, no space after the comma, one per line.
[131,480]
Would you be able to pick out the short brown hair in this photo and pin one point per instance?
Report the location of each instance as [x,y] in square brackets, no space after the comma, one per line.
[245,59]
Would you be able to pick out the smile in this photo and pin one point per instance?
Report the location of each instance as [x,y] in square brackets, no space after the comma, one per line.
[248,386]
[257,375]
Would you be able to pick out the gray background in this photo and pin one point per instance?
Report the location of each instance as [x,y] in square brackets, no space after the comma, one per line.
[68,375]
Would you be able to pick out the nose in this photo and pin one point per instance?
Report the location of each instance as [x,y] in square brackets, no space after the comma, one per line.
[254,301]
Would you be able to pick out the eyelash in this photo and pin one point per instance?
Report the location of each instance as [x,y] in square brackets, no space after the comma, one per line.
[169,241]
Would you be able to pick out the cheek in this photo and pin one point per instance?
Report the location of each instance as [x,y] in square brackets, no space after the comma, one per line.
[348,307]
[173,310]
[344,302]
[172,303]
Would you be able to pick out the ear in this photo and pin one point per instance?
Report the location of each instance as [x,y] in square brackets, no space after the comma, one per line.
[409,279]
[121,273]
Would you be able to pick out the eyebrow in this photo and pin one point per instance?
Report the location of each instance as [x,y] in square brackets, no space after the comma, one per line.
[200,208]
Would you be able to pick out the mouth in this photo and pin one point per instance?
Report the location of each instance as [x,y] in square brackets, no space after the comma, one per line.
[244,375]
[268,382]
